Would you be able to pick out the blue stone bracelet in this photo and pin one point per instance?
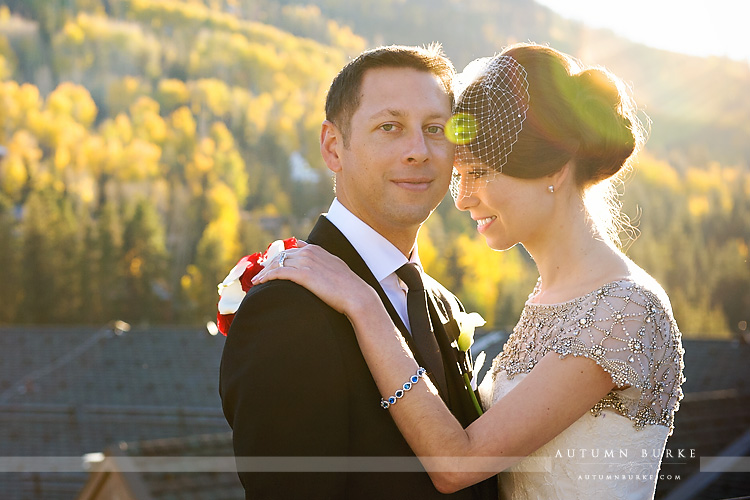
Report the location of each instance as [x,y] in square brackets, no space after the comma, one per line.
[386,403]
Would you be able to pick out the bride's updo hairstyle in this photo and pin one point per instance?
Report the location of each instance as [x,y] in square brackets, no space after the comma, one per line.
[570,113]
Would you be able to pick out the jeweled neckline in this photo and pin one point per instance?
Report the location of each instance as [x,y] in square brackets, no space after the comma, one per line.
[576,299]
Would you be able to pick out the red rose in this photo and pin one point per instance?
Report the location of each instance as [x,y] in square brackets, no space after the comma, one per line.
[235,286]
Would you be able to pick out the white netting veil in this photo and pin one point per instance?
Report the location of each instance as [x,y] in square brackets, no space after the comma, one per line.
[492,99]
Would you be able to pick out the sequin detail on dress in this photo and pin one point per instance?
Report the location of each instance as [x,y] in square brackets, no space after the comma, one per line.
[626,329]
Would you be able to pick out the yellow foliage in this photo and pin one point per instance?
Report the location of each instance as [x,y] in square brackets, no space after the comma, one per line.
[136,263]
[85,187]
[155,128]
[25,145]
[344,37]
[147,122]
[18,105]
[74,33]
[123,92]
[212,93]
[186,281]
[223,139]
[742,248]
[203,158]
[173,93]
[698,205]
[13,176]
[182,121]
[92,154]
[28,97]
[713,179]
[270,210]
[258,114]
[120,129]
[432,262]
[144,106]
[74,101]
[484,271]
[658,173]
[224,226]
[701,317]
[703,180]
[21,165]
[62,158]
[138,160]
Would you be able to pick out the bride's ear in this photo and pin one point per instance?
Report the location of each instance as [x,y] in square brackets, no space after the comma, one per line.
[559,178]
[331,142]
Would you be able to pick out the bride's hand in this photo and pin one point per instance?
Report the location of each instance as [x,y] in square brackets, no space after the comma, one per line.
[323,274]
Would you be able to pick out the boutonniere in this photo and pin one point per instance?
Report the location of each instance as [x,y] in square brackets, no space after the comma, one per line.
[235,286]
[467,325]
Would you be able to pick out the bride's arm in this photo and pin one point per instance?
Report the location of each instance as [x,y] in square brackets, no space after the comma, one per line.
[550,398]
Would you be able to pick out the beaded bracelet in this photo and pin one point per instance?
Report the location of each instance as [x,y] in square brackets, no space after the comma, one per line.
[385,403]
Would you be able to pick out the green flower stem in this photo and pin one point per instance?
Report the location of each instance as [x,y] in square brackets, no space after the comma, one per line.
[474,399]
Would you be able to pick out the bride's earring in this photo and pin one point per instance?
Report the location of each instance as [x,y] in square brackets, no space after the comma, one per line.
[551,188]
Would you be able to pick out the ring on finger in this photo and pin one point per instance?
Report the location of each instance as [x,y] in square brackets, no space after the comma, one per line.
[282,258]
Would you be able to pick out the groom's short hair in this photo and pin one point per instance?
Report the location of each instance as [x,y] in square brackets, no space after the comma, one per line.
[344,94]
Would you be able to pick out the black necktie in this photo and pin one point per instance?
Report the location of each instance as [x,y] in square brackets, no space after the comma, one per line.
[421,326]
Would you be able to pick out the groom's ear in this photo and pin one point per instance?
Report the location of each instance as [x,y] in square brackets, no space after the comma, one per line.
[331,142]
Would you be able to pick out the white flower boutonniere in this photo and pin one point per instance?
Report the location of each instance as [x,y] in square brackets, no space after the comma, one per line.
[467,324]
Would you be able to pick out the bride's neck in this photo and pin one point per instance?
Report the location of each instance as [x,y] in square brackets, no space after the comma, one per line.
[574,258]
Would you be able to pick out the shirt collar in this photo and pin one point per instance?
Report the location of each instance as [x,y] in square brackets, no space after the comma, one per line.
[380,255]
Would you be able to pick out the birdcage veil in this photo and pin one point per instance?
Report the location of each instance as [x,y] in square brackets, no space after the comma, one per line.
[491,105]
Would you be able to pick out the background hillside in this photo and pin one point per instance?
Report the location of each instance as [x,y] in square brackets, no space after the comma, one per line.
[150,144]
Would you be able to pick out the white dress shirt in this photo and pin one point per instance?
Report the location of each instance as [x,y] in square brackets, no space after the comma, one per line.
[380,255]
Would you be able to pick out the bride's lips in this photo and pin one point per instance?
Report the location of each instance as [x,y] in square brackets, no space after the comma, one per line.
[484,222]
[413,184]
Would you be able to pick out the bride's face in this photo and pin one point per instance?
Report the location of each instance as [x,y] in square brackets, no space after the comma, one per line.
[508,210]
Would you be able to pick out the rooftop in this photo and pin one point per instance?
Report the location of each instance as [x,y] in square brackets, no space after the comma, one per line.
[69,391]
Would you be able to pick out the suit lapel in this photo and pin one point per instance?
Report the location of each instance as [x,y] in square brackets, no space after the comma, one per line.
[456,363]
[326,235]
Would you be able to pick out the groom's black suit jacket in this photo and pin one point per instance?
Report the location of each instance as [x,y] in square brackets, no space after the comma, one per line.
[294,383]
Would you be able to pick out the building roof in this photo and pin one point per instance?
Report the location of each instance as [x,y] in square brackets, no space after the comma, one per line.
[68,391]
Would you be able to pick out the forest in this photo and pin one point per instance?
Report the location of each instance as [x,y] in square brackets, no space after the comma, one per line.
[147,145]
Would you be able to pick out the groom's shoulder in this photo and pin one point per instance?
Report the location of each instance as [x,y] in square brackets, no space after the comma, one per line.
[282,305]
[282,297]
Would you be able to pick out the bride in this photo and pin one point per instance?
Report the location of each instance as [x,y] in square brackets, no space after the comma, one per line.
[581,400]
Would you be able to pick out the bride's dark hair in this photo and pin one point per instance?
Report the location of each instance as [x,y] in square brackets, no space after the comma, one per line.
[574,113]
[580,114]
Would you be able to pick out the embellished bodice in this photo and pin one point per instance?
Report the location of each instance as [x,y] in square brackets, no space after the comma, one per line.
[624,327]
[627,328]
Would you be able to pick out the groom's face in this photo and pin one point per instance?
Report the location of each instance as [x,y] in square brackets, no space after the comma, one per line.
[397,166]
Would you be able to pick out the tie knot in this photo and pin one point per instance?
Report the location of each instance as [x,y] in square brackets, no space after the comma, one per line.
[409,274]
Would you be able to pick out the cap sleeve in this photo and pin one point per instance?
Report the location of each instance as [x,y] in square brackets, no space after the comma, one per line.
[628,331]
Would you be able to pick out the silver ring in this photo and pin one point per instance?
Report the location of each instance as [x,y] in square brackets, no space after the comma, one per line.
[282,257]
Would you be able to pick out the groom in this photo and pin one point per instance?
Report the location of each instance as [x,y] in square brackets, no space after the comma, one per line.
[293,380]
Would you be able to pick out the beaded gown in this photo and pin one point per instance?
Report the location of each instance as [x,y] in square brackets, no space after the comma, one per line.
[613,451]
